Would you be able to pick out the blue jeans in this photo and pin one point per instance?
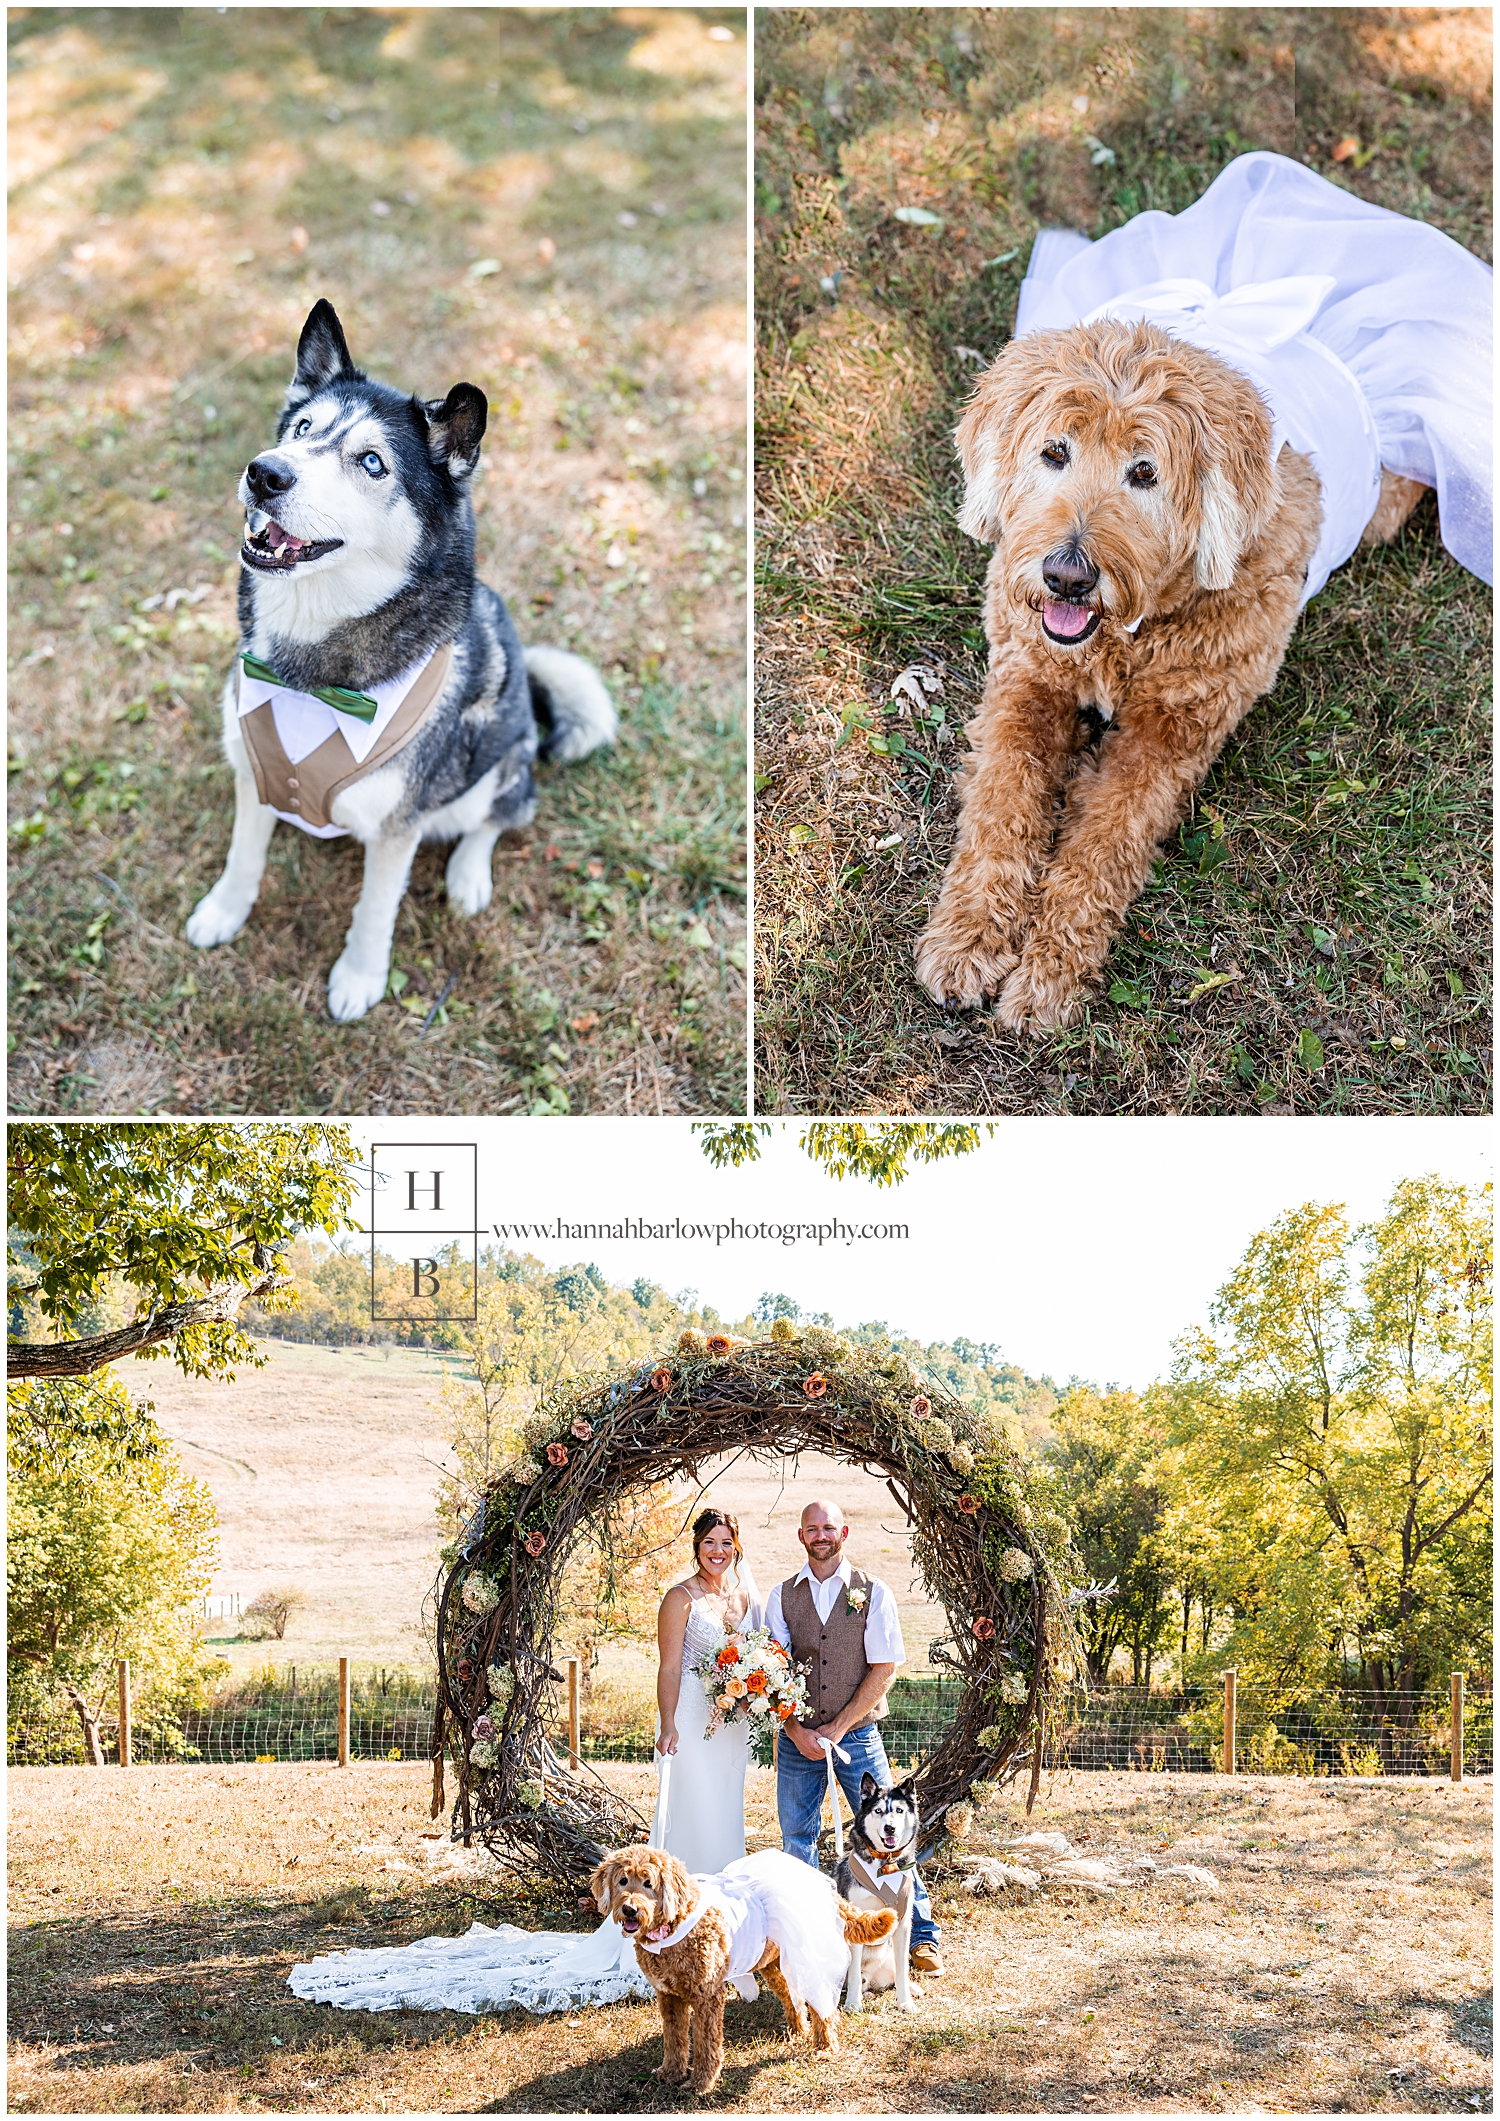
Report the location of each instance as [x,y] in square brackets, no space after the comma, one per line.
[801,1785]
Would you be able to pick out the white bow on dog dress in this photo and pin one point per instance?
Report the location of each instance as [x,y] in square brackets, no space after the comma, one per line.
[1368,335]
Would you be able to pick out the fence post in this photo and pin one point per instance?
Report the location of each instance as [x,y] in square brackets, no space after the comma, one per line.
[574,1732]
[1229,1679]
[343,1712]
[1456,1732]
[124,1678]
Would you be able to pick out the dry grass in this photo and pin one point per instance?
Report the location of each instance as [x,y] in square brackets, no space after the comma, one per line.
[1333,864]
[186,184]
[1343,1968]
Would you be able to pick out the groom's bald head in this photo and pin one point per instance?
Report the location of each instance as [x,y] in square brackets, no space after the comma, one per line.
[822,1532]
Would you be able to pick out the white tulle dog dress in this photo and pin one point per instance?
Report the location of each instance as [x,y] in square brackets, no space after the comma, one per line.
[1368,335]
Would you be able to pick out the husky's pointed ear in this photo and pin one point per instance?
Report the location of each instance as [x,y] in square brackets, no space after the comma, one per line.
[322,353]
[868,1787]
[456,427]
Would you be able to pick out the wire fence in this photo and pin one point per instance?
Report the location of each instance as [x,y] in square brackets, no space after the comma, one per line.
[1338,1731]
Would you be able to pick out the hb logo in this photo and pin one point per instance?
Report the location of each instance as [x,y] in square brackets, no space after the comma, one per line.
[423,1231]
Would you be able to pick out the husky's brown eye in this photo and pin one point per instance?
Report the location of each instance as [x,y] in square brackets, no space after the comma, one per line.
[1055,454]
[1142,474]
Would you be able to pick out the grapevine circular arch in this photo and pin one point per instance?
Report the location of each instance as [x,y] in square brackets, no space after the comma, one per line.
[979,1540]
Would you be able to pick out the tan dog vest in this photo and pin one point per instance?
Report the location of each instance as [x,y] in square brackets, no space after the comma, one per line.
[834,1652]
[302,792]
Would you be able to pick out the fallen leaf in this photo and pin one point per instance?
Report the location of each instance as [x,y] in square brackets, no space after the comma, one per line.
[918,217]
[482,268]
[1347,148]
[1207,981]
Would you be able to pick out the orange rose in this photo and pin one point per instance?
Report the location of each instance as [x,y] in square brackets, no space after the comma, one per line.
[816,1385]
[729,1654]
[661,1380]
[718,1344]
[785,1711]
[756,1682]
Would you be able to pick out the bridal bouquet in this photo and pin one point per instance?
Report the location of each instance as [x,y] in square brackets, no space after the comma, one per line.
[749,1678]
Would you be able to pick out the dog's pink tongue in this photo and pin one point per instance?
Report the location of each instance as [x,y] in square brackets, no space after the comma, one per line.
[1066,619]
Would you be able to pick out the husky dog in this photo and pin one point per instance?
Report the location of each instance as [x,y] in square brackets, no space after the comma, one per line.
[380,689]
[880,1871]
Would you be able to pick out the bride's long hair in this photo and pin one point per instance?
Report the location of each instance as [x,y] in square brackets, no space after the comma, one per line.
[709,1521]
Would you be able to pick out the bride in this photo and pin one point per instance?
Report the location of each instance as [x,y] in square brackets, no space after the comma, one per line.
[700,1819]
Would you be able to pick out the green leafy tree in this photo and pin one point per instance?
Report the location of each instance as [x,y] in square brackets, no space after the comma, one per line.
[110,1549]
[193,1218]
[1105,1480]
[1338,1415]
[848,1148]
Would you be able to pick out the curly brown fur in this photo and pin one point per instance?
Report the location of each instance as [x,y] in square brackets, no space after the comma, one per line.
[1122,476]
[647,1891]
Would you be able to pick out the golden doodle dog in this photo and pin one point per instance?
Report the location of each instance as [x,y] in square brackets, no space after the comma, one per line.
[1149,562]
[651,1895]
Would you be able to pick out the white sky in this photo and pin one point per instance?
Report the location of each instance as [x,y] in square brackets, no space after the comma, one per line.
[1081,1247]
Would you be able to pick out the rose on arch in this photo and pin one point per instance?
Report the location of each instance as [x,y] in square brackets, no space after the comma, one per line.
[483,1728]
[968,1505]
[536,1543]
[582,1429]
[816,1385]
[557,1454]
[1015,1565]
[921,1407]
[719,1343]
[661,1380]
[984,1629]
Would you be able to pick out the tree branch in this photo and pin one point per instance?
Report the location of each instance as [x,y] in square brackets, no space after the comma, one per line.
[75,1358]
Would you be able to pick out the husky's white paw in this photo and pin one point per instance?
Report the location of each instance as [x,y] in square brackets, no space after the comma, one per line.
[216,920]
[354,987]
[470,882]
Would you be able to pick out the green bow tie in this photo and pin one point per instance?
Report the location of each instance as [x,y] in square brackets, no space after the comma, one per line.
[359,704]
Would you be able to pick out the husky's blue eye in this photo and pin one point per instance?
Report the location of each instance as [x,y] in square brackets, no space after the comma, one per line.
[372,464]
[300,429]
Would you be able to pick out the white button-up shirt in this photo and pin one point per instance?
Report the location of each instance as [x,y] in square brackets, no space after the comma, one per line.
[883,1644]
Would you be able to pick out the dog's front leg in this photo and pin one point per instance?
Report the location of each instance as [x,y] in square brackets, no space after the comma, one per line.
[676,2027]
[708,2040]
[1119,810]
[221,913]
[902,1944]
[854,1994]
[1021,740]
[357,981]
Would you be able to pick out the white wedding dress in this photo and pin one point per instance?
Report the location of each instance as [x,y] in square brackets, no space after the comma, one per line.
[700,1819]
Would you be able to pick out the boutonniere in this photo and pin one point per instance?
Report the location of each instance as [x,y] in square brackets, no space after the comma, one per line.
[854,1601]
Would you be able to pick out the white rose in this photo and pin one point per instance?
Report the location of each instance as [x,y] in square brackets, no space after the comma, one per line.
[758,1705]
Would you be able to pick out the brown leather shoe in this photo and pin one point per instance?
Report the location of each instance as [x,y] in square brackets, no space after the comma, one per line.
[926,1959]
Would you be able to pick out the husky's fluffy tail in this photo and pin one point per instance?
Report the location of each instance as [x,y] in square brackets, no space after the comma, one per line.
[572,704]
[862,1928]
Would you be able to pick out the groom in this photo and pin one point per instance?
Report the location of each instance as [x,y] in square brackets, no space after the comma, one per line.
[844,1627]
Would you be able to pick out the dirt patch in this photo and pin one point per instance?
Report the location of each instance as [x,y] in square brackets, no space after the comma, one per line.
[1342,1967]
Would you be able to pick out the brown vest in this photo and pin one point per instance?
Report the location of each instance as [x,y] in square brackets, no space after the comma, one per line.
[306,791]
[834,1652]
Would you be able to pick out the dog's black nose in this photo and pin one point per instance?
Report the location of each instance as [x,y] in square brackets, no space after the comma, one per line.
[269,476]
[1068,573]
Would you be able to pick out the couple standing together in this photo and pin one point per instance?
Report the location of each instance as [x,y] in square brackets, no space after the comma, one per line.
[842,1627]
